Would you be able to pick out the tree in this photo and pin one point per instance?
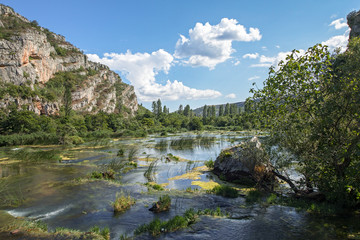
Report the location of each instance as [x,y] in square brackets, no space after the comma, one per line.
[311,105]
[213,111]
[159,108]
[187,110]
[227,109]
[154,107]
[68,98]
[204,114]
[181,109]
[221,110]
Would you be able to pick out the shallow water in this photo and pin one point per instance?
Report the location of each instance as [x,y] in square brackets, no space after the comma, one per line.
[52,196]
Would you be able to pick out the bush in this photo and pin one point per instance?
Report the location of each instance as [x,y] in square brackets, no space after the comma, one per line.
[209,164]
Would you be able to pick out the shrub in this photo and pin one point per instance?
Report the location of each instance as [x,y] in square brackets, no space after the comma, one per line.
[209,164]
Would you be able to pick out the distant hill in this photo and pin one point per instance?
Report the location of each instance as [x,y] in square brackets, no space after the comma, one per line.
[199,111]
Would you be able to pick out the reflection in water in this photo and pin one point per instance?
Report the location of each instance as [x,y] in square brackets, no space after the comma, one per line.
[53,197]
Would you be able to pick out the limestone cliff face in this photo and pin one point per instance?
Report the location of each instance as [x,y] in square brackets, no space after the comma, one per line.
[353,20]
[30,56]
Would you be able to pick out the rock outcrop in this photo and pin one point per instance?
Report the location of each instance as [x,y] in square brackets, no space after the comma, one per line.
[30,56]
[245,163]
[353,20]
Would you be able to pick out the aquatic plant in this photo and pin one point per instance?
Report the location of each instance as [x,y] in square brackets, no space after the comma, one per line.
[157,226]
[211,212]
[183,143]
[105,232]
[132,153]
[10,197]
[32,155]
[225,191]
[120,153]
[253,196]
[155,186]
[150,172]
[209,164]
[122,202]
[162,205]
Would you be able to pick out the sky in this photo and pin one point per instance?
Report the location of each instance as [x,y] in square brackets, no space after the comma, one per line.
[192,52]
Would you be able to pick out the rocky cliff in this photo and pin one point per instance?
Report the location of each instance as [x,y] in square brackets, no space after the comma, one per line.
[353,20]
[36,65]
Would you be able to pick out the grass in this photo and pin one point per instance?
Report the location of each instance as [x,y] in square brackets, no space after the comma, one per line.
[225,191]
[150,172]
[162,205]
[156,227]
[154,186]
[254,196]
[31,155]
[122,202]
[30,229]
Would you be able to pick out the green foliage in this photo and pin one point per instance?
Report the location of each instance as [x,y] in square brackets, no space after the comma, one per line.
[31,155]
[253,196]
[225,191]
[209,164]
[122,202]
[105,232]
[164,203]
[311,105]
[16,91]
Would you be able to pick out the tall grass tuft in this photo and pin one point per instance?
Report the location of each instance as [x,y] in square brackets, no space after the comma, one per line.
[122,202]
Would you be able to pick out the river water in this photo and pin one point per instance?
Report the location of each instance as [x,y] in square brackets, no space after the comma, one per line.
[52,196]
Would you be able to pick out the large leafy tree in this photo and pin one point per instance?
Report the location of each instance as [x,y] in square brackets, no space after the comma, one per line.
[312,107]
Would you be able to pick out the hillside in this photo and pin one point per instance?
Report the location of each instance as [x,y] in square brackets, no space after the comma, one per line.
[37,65]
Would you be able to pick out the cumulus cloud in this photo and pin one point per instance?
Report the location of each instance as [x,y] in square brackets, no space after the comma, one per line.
[209,45]
[338,23]
[267,62]
[253,78]
[231,96]
[141,69]
[251,55]
[339,41]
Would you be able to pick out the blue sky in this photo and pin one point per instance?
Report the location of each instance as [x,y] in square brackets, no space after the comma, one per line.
[192,52]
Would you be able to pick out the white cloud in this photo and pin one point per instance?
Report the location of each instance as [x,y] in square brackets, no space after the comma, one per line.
[277,46]
[339,41]
[141,68]
[267,62]
[338,23]
[231,96]
[251,55]
[253,78]
[209,45]
[264,48]
[237,63]
[333,43]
